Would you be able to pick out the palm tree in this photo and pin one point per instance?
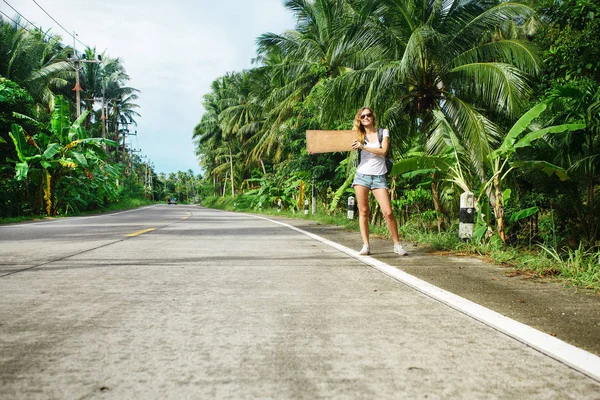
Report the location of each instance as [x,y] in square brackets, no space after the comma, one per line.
[438,56]
[217,129]
[300,60]
[35,60]
[122,112]
[442,70]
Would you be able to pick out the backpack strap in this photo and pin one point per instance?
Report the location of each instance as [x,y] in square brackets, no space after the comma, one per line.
[379,136]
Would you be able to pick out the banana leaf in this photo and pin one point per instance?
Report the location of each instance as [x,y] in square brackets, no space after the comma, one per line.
[546,167]
[21,170]
[528,212]
[519,127]
[52,150]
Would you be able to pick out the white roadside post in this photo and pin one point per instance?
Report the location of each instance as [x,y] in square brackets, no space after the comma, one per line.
[279,205]
[466,216]
[306,207]
[351,207]
[313,201]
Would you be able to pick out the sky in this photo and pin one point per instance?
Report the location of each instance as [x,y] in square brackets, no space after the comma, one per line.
[172,50]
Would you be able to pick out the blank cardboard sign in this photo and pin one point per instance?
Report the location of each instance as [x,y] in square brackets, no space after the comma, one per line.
[329,141]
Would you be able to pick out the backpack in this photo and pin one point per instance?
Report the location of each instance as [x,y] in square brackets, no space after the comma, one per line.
[388,163]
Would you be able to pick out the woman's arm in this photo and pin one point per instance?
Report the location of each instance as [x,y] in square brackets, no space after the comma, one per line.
[378,151]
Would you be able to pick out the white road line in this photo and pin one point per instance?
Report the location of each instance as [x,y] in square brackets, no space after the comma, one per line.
[576,358]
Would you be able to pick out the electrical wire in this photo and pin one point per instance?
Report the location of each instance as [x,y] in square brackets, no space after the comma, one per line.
[23,26]
[58,23]
[21,15]
[32,24]
[15,22]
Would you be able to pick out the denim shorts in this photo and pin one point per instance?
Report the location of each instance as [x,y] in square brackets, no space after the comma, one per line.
[370,181]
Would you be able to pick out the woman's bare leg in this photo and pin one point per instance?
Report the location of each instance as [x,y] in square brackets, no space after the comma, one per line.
[383,198]
[362,199]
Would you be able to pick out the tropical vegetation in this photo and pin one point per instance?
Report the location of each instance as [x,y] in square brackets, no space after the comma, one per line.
[54,161]
[497,98]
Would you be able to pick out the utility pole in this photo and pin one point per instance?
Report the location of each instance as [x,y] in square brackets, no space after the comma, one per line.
[123,148]
[103,119]
[77,88]
[126,133]
[76,61]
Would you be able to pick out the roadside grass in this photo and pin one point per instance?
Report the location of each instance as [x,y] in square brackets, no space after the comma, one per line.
[578,268]
[124,204]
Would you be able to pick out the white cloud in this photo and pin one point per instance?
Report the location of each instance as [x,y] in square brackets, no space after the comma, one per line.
[172,51]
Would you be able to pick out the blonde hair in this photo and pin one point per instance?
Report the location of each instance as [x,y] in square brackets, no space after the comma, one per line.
[359,128]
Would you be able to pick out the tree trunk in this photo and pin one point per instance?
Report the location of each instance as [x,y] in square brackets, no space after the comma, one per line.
[442,215]
[231,168]
[117,136]
[497,201]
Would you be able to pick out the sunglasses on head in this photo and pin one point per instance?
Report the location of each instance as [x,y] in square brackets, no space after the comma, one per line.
[369,115]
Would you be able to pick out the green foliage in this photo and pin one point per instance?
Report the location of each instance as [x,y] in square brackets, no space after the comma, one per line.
[521,214]
[570,38]
[417,205]
[66,158]
[578,266]
[44,156]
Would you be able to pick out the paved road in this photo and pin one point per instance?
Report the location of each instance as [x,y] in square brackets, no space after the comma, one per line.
[200,303]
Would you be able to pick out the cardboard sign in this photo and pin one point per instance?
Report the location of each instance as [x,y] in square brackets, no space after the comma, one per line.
[329,141]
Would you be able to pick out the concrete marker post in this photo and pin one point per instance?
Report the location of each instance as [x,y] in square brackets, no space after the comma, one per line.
[466,216]
[351,207]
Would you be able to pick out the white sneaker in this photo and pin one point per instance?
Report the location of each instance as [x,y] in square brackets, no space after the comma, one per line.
[365,251]
[398,249]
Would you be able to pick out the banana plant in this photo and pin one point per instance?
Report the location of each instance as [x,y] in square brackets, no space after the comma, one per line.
[501,163]
[63,148]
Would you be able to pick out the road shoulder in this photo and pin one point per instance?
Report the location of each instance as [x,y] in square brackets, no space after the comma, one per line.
[569,314]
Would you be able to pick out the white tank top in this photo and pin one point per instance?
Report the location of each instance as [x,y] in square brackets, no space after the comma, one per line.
[371,164]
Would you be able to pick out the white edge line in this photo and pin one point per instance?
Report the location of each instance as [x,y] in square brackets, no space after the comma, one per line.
[576,358]
[21,224]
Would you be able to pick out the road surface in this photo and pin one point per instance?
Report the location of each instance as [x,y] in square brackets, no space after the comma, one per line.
[187,302]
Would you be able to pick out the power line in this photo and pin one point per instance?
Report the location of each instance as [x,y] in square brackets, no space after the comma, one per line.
[58,23]
[15,22]
[21,15]
[24,27]
[32,24]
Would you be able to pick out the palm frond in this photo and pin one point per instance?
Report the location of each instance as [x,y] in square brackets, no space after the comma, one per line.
[499,86]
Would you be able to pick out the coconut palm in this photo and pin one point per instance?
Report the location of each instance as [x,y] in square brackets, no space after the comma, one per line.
[298,60]
[443,69]
[439,55]
[36,60]
[209,135]
[121,112]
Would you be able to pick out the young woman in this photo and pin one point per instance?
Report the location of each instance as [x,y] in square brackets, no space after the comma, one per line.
[371,176]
